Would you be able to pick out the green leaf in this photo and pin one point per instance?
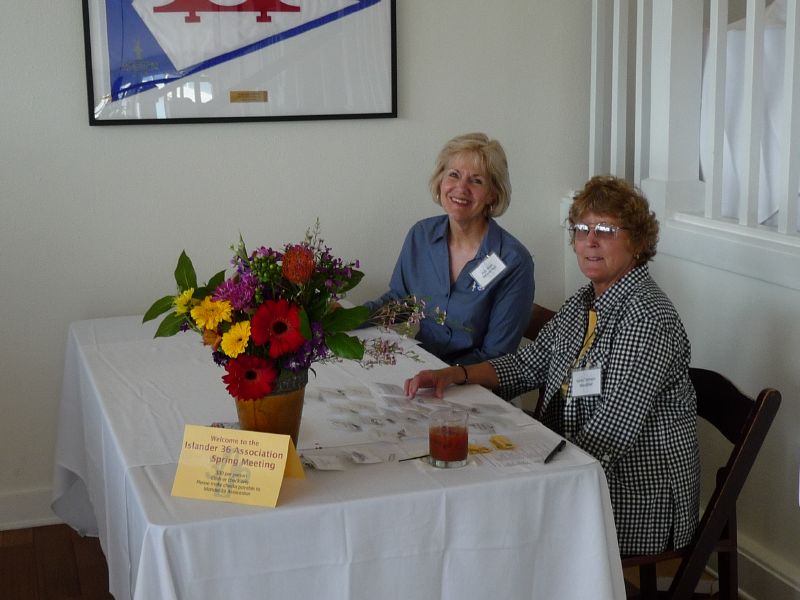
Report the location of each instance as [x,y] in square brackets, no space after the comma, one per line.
[345,346]
[215,281]
[185,276]
[211,286]
[305,324]
[355,279]
[345,319]
[317,307]
[159,307]
[170,325]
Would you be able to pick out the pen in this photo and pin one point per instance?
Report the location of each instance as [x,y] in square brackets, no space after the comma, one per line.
[413,458]
[555,451]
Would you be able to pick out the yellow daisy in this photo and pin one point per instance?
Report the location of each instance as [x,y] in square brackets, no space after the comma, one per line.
[183,301]
[234,341]
[209,314]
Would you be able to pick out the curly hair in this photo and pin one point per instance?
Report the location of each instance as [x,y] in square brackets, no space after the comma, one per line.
[491,157]
[615,197]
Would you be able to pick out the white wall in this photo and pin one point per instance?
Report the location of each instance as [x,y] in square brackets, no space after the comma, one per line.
[92,219]
[750,331]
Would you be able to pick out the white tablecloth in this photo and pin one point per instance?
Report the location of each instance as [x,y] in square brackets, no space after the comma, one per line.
[378,531]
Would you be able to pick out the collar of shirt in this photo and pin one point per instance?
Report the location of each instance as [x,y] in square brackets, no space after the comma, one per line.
[492,240]
[616,294]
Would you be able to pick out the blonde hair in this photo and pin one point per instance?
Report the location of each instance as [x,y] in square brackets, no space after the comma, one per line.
[491,157]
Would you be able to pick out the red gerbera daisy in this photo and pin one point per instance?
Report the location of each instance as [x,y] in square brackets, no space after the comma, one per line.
[298,264]
[249,377]
[277,322]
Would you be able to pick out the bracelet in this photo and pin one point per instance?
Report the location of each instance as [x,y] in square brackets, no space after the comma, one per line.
[466,375]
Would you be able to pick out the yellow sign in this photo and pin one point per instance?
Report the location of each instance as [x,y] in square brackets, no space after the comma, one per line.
[231,465]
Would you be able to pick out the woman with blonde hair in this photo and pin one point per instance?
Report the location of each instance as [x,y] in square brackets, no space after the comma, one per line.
[462,263]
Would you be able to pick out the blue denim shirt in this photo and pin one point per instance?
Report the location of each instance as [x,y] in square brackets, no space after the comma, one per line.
[482,323]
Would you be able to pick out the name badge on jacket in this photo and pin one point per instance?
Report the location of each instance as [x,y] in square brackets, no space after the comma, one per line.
[490,267]
[586,382]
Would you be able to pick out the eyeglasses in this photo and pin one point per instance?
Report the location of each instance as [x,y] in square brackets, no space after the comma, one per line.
[602,231]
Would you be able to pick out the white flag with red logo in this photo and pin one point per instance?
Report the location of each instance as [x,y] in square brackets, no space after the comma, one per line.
[194,31]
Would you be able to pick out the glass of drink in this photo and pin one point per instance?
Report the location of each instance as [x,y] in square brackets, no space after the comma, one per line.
[448,439]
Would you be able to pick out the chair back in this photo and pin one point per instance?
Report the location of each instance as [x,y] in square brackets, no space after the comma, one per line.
[720,403]
[540,315]
[745,424]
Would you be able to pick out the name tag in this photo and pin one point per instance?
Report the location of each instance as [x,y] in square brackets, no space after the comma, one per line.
[490,267]
[586,382]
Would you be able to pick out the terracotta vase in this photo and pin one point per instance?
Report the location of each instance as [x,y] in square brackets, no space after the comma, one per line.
[278,412]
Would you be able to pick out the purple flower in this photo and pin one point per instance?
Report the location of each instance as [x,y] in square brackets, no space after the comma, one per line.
[311,351]
[219,358]
[239,291]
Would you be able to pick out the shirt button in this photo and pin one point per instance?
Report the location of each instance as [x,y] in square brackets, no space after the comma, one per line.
[605,458]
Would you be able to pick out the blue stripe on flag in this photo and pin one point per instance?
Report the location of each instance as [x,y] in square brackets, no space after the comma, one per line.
[132,74]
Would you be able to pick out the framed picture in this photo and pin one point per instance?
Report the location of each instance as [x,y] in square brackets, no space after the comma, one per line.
[189,61]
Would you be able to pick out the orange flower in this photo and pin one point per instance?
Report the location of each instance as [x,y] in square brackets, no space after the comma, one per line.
[211,338]
[298,264]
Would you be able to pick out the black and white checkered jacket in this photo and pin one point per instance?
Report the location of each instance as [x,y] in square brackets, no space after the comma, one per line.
[642,427]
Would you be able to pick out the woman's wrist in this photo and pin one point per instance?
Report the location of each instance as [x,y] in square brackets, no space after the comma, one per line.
[466,374]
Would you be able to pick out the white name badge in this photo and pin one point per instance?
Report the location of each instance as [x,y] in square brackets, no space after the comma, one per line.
[490,267]
[586,382]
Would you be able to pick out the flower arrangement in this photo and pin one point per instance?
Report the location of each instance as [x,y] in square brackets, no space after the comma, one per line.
[275,315]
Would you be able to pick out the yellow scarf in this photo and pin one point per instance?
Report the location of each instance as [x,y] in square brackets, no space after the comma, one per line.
[588,339]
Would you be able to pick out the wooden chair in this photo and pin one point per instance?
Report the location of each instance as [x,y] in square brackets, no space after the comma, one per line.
[539,316]
[745,424]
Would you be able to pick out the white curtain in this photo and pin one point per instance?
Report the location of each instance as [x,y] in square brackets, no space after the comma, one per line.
[734,167]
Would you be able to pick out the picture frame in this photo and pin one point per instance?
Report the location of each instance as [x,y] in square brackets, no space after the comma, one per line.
[198,61]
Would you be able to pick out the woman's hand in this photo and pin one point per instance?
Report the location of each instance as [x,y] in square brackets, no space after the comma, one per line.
[438,379]
[481,374]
